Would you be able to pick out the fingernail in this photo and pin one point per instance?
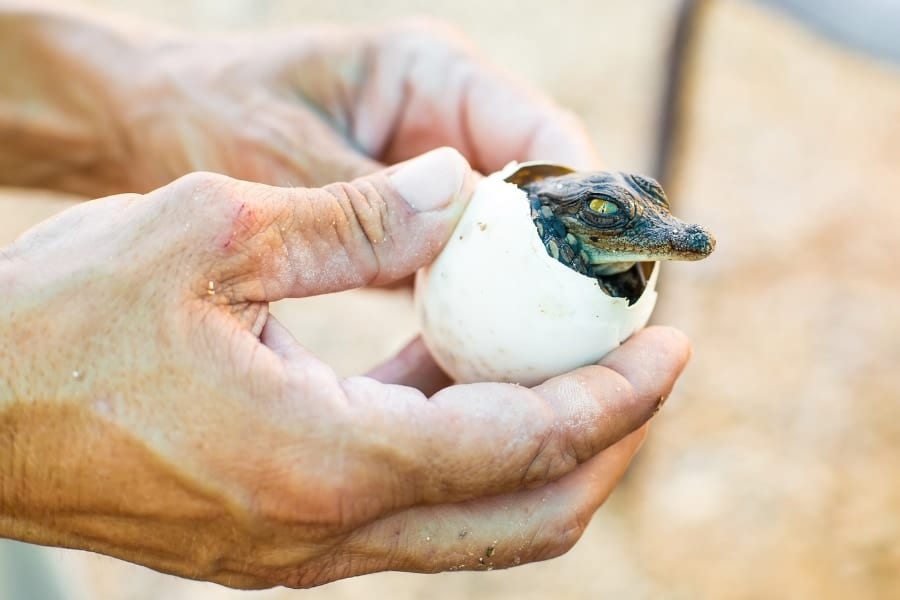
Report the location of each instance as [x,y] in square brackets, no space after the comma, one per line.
[432,180]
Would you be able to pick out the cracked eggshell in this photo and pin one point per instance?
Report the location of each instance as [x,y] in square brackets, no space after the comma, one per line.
[494,306]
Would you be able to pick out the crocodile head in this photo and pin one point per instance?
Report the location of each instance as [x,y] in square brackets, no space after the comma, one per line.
[603,223]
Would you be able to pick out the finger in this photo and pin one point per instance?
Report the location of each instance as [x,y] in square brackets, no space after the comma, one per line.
[413,366]
[427,87]
[469,441]
[406,284]
[282,342]
[281,242]
[638,358]
[280,160]
[484,534]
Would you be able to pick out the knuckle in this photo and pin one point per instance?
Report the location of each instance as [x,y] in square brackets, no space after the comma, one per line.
[369,210]
[232,228]
[552,457]
[627,398]
[210,196]
[365,221]
[366,207]
[201,185]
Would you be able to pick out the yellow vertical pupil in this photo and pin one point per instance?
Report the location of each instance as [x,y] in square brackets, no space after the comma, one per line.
[604,207]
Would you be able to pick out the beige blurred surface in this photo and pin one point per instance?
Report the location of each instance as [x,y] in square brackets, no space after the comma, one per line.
[773,470]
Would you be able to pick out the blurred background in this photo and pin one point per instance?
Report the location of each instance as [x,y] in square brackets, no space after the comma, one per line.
[774,469]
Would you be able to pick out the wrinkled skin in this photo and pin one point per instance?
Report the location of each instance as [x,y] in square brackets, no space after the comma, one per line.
[310,107]
[153,410]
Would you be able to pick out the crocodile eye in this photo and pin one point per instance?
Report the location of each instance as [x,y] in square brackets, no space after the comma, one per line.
[603,214]
[604,207]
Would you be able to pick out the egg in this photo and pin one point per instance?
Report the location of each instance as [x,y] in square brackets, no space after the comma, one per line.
[495,306]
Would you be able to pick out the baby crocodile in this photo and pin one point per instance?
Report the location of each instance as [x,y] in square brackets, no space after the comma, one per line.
[601,224]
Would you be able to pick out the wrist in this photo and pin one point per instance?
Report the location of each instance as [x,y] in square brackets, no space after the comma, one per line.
[60,116]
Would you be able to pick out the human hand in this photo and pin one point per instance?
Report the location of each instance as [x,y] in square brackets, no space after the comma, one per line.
[152,410]
[311,106]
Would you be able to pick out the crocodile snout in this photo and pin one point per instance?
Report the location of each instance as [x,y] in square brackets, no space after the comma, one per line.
[693,243]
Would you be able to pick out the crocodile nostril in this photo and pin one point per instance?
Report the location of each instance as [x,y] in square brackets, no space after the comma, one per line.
[695,241]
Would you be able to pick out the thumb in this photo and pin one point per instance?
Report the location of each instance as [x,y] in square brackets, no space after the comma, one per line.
[373,230]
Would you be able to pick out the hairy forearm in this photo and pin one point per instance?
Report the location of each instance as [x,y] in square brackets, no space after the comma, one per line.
[64,80]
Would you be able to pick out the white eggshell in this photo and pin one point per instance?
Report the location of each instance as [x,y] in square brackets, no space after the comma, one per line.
[494,306]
